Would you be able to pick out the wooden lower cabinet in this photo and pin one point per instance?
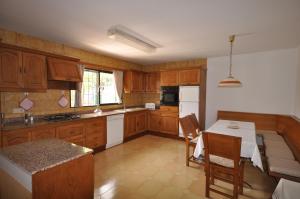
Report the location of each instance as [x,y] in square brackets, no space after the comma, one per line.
[154,122]
[72,133]
[169,125]
[95,133]
[15,137]
[163,122]
[135,122]
[73,179]
[43,133]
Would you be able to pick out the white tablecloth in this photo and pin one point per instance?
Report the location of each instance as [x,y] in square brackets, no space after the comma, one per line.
[287,189]
[246,131]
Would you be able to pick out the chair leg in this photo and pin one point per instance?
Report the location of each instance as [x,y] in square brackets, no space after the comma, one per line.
[207,177]
[187,154]
[241,180]
[235,186]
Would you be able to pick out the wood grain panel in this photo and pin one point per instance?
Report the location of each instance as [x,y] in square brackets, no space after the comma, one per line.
[262,121]
[74,179]
[16,137]
[42,133]
[290,129]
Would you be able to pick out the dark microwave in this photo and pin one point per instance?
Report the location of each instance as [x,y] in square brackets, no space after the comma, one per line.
[169,95]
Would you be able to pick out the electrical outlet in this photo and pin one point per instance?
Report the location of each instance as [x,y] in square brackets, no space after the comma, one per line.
[18,110]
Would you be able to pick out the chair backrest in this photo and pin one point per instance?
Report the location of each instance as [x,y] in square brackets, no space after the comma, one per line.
[224,146]
[187,126]
[195,121]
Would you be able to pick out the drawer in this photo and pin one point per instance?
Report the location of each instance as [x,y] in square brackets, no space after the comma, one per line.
[79,140]
[69,130]
[42,134]
[95,140]
[169,108]
[96,126]
[15,137]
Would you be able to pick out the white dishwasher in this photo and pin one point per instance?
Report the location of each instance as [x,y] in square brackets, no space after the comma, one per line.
[115,130]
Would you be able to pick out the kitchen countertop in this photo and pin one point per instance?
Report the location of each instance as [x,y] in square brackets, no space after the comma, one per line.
[36,156]
[20,125]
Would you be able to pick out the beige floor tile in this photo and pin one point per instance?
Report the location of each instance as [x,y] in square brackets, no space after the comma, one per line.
[154,167]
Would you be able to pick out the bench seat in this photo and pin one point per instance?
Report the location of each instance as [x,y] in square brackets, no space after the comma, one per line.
[284,166]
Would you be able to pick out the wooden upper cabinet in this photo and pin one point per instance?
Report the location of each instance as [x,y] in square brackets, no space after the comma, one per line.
[169,78]
[34,71]
[63,70]
[189,77]
[152,82]
[134,81]
[11,71]
[22,71]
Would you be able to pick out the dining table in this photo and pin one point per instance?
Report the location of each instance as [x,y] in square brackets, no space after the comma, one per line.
[245,130]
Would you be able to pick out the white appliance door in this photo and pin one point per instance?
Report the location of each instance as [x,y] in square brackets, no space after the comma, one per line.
[189,93]
[115,130]
[187,108]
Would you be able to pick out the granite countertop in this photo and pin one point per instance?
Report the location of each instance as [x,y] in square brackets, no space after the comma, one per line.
[40,122]
[36,156]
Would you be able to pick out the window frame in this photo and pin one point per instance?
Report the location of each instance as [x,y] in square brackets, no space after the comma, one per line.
[99,96]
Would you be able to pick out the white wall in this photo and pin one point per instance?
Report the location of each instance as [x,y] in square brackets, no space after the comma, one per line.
[269,83]
[297,99]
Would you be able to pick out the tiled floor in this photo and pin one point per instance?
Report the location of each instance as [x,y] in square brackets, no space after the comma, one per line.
[154,167]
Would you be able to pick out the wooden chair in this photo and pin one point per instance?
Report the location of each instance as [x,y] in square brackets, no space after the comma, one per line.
[189,131]
[222,158]
[196,124]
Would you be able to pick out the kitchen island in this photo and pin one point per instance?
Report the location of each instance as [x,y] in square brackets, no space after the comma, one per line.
[49,168]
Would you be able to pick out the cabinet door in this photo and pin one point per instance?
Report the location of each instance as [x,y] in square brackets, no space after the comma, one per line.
[152,82]
[35,71]
[170,125]
[11,70]
[169,78]
[154,122]
[130,124]
[43,133]
[140,122]
[137,81]
[95,133]
[15,137]
[71,133]
[64,70]
[189,77]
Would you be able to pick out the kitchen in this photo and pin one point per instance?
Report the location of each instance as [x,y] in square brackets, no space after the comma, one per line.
[92,107]
[97,127]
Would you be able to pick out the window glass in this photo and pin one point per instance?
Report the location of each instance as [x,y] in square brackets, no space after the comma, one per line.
[97,87]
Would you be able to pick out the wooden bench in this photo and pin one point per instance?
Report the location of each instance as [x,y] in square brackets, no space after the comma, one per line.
[282,140]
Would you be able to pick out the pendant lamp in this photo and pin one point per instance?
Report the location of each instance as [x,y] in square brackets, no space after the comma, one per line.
[230,81]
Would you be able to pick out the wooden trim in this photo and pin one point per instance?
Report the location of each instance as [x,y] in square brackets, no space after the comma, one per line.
[202,98]
[262,121]
[4,45]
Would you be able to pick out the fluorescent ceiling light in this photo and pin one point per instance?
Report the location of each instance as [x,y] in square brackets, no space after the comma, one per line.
[133,39]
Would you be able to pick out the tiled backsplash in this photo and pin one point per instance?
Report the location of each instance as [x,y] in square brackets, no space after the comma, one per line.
[47,103]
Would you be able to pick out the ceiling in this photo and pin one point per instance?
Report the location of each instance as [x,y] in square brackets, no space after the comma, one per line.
[185,29]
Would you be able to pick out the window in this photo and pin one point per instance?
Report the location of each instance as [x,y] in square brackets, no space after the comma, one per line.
[98,87]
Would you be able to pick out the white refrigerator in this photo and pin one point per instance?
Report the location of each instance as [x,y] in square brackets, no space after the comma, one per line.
[188,102]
